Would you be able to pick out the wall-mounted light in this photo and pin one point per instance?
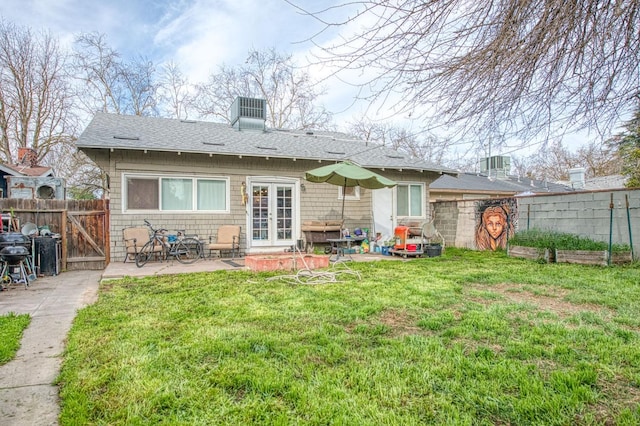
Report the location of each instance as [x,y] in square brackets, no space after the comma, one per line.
[303,188]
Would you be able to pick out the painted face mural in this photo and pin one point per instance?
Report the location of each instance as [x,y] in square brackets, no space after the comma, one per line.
[495,223]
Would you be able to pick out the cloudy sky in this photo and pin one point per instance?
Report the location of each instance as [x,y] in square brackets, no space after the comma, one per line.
[198,35]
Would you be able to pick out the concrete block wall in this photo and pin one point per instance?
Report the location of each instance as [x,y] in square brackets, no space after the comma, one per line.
[582,213]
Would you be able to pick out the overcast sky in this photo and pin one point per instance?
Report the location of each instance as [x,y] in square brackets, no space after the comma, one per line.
[198,35]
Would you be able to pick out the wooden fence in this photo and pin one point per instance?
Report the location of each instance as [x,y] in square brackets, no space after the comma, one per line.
[83,226]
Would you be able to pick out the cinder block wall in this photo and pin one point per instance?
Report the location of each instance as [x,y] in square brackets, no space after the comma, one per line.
[581,213]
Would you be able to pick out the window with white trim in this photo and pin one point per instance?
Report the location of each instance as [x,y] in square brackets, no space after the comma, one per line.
[410,200]
[176,193]
[349,193]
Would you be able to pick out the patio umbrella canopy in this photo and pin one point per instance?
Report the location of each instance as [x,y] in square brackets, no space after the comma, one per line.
[347,174]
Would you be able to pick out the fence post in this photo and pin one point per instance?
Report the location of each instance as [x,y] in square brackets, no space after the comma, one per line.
[610,229]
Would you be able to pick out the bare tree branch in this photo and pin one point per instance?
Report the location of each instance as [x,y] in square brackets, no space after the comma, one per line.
[35,98]
[525,68]
[290,94]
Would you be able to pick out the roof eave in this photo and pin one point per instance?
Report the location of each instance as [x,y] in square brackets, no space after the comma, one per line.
[275,156]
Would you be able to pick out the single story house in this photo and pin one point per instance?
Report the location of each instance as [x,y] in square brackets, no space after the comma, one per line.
[471,186]
[195,175]
[493,181]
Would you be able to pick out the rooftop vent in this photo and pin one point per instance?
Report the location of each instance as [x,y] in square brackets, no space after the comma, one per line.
[498,166]
[248,113]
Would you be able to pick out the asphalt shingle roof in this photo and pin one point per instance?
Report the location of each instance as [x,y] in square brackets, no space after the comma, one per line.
[479,182]
[113,131]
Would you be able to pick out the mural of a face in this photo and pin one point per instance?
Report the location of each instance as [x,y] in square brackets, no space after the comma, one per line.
[495,225]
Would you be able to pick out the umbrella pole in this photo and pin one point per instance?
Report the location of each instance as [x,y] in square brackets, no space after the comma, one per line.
[344,188]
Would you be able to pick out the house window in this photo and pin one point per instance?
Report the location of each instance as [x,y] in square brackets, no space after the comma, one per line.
[349,193]
[410,200]
[176,193]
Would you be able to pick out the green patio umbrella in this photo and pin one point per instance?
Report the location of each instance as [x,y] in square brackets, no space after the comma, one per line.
[347,174]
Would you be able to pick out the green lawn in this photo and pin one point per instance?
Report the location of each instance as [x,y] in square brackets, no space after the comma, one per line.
[11,328]
[467,338]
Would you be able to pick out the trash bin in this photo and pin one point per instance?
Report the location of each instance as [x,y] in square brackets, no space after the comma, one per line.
[47,255]
[433,250]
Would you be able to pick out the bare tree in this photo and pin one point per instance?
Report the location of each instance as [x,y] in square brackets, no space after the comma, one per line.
[83,179]
[628,144]
[554,161]
[599,159]
[175,92]
[525,68]
[107,83]
[290,93]
[421,145]
[35,99]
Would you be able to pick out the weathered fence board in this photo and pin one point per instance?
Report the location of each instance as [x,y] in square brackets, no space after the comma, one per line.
[582,257]
[531,253]
[83,226]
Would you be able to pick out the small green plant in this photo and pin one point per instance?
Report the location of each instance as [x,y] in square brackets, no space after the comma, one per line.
[11,328]
[543,239]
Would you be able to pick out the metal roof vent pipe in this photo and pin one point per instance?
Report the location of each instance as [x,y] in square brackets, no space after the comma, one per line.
[576,177]
[248,114]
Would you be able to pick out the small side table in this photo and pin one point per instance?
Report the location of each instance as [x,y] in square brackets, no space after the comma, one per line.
[342,247]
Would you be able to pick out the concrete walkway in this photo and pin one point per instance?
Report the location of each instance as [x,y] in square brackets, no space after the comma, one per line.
[28,395]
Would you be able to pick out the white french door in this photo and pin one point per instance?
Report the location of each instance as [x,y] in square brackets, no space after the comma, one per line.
[272,213]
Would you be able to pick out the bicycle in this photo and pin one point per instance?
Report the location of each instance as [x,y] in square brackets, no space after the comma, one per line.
[186,249]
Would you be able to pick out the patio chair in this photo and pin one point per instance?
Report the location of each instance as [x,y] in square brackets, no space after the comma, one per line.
[134,238]
[228,239]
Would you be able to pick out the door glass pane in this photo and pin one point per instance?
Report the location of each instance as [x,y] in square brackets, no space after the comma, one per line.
[260,211]
[212,194]
[142,194]
[284,213]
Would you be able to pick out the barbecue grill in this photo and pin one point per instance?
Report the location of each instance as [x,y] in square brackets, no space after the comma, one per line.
[14,252]
[13,255]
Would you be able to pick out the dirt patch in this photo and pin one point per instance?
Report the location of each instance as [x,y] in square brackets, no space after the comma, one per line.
[399,322]
[551,301]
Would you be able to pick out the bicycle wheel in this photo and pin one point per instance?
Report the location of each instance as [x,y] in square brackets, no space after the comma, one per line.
[145,253]
[187,250]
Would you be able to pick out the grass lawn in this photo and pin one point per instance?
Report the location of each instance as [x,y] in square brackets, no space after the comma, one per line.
[11,328]
[466,338]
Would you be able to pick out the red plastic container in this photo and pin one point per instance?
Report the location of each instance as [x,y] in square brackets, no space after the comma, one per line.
[412,247]
[400,235]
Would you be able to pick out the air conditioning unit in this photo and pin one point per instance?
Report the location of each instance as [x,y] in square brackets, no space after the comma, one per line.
[248,113]
[498,166]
